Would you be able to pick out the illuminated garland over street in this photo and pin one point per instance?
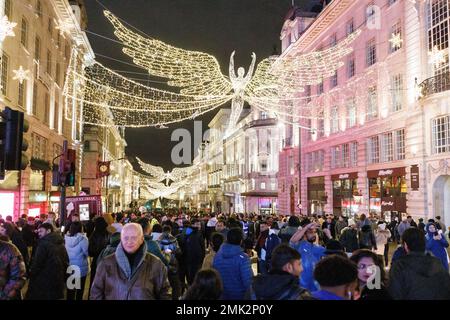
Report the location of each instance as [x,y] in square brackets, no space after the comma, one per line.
[158,174]
[108,97]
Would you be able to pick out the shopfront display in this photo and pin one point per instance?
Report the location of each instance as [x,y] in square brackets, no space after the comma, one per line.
[85,206]
[387,192]
[346,195]
[9,195]
[317,197]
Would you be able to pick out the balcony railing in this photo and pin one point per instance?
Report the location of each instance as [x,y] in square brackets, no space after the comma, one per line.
[436,84]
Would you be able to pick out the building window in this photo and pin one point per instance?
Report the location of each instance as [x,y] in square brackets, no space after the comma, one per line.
[320,125]
[37,49]
[372,104]
[373,149]
[46,108]
[320,88]
[50,25]
[345,155]
[35,95]
[396,31]
[263,185]
[8,9]
[351,67]
[49,62]
[354,154]
[334,80]
[334,120]
[67,51]
[371,53]
[22,90]
[335,157]
[350,28]
[351,113]
[56,117]
[57,75]
[5,67]
[397,92]
[387,147]
[400,144]
[39,8]
[333,40]
[308,93]
[39,149]
[24,33]
[317,161]
[263,165]
[441,134]
[438,24]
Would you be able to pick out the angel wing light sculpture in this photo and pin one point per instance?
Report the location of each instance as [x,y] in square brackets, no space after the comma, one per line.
[202,86]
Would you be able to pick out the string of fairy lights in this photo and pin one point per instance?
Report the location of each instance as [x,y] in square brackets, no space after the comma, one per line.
[107,98]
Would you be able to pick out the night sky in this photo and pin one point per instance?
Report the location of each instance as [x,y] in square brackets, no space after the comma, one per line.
[214,26]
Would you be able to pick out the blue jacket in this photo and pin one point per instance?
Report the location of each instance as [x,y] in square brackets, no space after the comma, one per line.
[437,247]
[311,254]
[77,250]
[235,270]
[271,242]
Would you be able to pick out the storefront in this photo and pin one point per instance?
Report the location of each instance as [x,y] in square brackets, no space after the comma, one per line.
[9,195]
[387,192]
[317,197]
[55,197]
[260,202]
[346,195]
[86,206]
[38,197]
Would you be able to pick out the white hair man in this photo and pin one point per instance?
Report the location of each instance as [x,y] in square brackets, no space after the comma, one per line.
[131,273]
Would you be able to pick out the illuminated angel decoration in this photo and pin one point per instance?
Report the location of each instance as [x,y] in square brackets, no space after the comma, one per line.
[201,84]
[157,173]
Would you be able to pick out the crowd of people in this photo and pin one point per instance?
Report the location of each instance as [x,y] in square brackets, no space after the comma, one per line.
[196,256]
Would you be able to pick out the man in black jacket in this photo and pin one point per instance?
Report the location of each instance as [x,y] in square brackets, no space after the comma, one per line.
[418,276]
[49,266]
[192,245]
[281,283]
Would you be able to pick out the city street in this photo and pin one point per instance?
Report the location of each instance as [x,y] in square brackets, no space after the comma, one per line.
[224,150]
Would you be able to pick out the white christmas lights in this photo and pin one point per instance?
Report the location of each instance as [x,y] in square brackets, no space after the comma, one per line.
[6,28]
[21,74]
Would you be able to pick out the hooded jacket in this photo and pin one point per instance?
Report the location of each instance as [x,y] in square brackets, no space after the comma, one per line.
[235,270]
[77,250]
[146,279]
[48,269]
[12,271]
[418,276]
[276,286]
[437,247]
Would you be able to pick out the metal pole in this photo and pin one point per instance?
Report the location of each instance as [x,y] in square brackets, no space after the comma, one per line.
[107,196]
[62,200]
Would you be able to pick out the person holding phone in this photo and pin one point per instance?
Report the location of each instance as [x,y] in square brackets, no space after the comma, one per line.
[437,244]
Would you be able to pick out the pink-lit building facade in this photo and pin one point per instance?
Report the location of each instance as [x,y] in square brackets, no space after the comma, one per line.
[379,138]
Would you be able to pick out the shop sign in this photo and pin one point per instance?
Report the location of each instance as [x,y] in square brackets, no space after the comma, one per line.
[344,176]
[38,197]
[385,172]
[85,206]
[415,178]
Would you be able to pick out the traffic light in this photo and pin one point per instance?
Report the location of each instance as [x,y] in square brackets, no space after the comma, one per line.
[13,145]
[71,157]
[67,169]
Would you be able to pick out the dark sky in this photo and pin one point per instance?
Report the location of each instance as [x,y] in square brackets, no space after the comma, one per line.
[214,26]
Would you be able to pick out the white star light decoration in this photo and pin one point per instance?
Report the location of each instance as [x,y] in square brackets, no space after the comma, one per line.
[396,40]
[6,28]
[21,74]
[437,57]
